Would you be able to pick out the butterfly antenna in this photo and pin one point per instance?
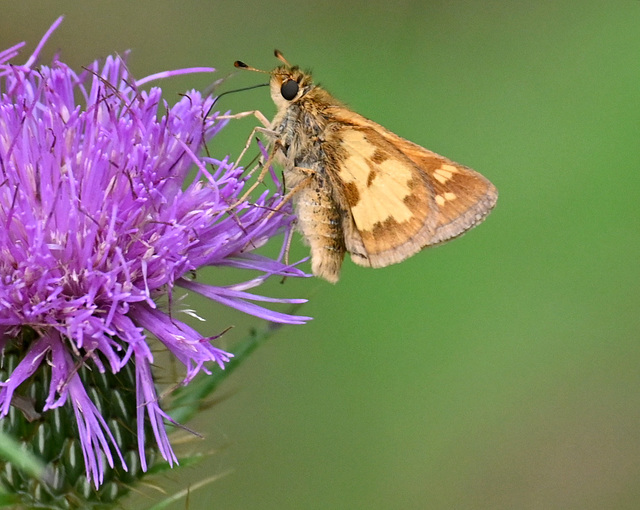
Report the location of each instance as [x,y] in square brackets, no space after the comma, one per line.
[241,65]
[280,57]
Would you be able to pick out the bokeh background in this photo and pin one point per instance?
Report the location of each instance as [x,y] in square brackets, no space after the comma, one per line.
[499,371]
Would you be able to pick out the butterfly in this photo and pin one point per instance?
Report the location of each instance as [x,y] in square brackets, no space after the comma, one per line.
[359,188]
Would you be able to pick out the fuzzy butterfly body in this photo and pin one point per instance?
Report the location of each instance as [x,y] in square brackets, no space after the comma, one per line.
[360,188]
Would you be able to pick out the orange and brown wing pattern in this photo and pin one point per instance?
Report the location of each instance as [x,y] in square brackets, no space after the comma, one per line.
[463,196]
[401,196]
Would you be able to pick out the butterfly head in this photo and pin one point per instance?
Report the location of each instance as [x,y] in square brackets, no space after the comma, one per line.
[288,83]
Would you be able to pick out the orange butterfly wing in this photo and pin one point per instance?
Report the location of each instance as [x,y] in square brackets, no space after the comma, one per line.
[400,197]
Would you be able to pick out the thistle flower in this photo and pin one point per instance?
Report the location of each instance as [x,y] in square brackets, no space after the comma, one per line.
[99,221]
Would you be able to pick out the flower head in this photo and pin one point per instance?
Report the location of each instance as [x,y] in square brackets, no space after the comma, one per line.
[99,220]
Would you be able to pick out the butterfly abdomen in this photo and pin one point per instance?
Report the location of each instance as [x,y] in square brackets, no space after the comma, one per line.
[320,223]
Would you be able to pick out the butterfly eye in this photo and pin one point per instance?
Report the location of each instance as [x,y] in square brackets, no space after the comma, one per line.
[289,89]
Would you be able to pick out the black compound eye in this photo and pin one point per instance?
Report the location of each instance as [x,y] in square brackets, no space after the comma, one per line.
[289,89]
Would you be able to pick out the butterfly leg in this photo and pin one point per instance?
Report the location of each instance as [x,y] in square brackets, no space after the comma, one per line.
[264,129]
[310,174]
[288,247]
[291,193]
[285,199]
[263,173]
[241,115]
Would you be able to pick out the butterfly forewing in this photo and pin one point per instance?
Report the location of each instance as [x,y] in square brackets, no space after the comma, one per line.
[401,196]
[387,198]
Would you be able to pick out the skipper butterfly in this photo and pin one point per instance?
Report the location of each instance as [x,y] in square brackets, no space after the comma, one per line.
[359,188]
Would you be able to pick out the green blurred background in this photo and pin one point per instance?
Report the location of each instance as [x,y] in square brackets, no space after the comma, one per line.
[500,371]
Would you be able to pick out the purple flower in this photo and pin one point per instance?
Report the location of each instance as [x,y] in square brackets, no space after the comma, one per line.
[99,220]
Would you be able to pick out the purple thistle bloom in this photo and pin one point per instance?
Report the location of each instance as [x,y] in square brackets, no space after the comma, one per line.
[98,222]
